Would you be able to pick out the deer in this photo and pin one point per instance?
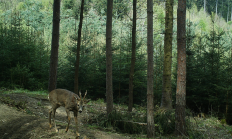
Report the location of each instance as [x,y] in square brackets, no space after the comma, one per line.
[70,101]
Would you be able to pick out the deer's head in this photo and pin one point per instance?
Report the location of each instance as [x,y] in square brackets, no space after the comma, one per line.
[81,102]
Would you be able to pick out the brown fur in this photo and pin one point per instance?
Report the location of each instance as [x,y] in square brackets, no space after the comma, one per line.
[69,100]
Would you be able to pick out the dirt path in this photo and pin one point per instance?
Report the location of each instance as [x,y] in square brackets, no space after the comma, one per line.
[15,124]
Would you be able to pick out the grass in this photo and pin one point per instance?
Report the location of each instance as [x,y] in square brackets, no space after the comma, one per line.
[209,127]
[41,94]
[39,104]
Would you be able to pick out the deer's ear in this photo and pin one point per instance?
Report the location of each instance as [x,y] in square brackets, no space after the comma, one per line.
[87,100]
[77,98]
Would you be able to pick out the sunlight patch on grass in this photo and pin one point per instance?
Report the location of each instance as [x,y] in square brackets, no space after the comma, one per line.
[23,91]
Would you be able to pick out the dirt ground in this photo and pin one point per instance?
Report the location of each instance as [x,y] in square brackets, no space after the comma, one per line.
[32,122]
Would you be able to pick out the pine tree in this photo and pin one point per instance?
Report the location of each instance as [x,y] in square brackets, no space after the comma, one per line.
[109,86]
[180,126]
[166,101]
[132,58]
[55,46]
[78,49]
[150,94]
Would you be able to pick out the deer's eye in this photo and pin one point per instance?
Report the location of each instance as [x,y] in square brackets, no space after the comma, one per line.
[78,105]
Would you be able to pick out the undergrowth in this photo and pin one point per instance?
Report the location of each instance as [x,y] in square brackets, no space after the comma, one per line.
[123,122]
[135,122]
[13,103]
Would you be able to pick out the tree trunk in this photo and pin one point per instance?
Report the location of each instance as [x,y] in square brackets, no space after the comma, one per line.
[180,126]
[78,49]
[231,14]
[55,46]
[222,9]
[204,5]
[109,87]
[216,6]
[228,12]
[132,58]
[166,102]
[150,103]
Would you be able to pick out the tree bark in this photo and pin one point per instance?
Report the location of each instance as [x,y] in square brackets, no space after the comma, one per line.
[228,12]
[55,46]
[204,5]
[216,6]
[109,87]
[150,103]
[132,58]
[166,101]
[78,50]
[231,14]
[180,126]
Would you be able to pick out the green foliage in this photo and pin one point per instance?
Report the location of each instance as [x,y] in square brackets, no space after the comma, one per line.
[68,4]
[202,25]
[24,63]
[123,122]
[207,66]
[230,23]
[39,103]
[165,120]
[121,7]
[195,134]
[20,6]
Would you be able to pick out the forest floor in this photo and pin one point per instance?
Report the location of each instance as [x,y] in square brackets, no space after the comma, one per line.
[25,116]
[32,121]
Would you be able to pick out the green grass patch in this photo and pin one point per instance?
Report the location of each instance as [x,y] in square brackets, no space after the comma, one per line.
[41,94]
[100,101]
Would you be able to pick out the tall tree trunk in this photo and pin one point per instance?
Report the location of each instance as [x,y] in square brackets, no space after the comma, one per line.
[78,49]
[204,5]
[150,95]
[166,101]
[55,46]
[231,14]
[180,126]
[216,6]
[109,86]
[222,9]
[132,57]
[228,12]
[230,82]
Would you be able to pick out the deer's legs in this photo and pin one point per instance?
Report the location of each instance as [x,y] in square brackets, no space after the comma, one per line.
[76,122]
[53,113]
[49,118]
[69,118]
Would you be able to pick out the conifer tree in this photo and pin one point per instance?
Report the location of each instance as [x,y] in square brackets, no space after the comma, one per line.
[55,46]
[132,58]
[150,93]
[109,85]
[78,49]
[180,126]
[166,101]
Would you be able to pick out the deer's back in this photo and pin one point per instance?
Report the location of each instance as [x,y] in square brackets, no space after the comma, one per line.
[62,97]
